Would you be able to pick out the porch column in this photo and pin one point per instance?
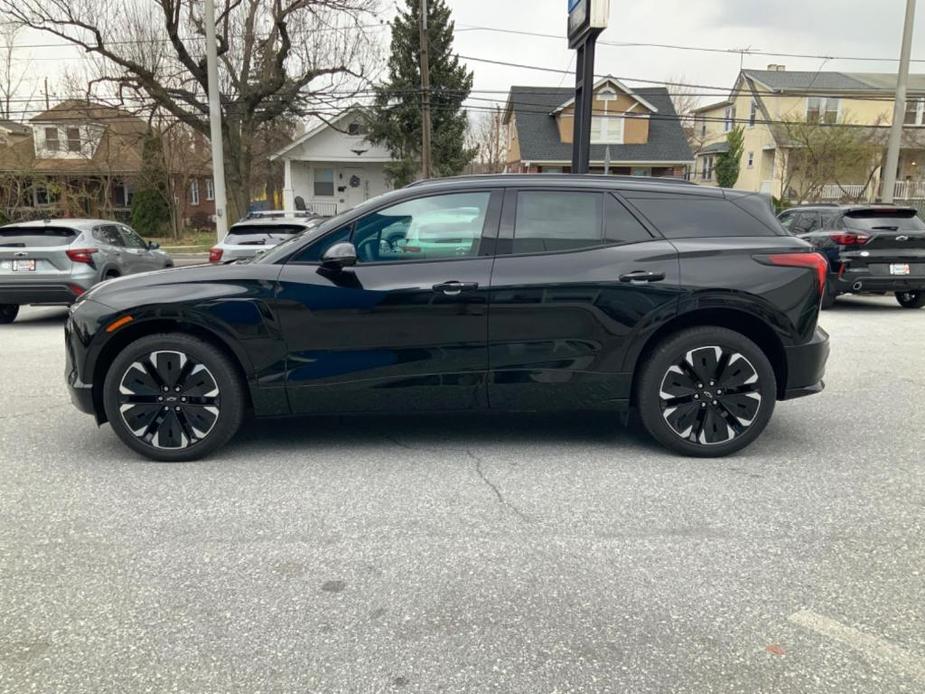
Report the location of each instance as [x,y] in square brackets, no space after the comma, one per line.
[288,192]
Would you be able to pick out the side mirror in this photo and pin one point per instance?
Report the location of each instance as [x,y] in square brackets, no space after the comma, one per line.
[339,256]
[153,245]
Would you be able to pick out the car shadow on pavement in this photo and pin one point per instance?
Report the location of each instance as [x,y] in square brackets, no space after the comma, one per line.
[39,316]
[864,304]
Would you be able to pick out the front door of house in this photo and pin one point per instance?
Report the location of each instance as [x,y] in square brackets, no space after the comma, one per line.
[357,187]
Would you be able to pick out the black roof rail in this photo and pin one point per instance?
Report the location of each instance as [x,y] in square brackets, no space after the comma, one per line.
[559,176]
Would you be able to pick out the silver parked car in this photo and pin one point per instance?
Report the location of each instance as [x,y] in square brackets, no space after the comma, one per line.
[250,236]
[54,261]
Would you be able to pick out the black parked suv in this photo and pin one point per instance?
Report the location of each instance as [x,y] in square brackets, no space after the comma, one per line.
[692,305]
[869,248]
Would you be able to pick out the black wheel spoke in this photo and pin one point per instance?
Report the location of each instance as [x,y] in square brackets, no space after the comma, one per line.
[169,400]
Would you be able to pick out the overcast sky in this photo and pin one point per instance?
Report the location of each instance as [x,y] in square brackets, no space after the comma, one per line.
[818,27]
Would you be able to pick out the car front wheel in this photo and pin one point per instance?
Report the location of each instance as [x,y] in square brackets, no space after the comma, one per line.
[706,392]
[172,397]
[911,299]
[8,313]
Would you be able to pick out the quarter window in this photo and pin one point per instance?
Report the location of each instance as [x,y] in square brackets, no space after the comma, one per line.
[324,182]
[691,216]
[440,227]
[557,221]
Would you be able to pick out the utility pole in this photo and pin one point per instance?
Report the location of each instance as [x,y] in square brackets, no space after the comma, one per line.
[426,167]
[215,125]
[899,108]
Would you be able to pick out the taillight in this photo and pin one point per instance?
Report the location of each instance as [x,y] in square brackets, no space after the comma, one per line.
[849,238]
[82,255]
[813,261]
[215,255]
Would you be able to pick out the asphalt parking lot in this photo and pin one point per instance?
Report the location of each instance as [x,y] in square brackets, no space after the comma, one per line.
[471,554]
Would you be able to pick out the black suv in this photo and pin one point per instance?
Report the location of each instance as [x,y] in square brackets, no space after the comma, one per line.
[870,248]
[692,305]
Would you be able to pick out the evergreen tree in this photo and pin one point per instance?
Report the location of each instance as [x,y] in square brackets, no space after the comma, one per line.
[396,116]
[728,162]
[150,211]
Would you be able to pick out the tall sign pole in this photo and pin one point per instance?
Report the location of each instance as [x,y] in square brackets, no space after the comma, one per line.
[586,20]
[426,167]
[215,125]
[899,108]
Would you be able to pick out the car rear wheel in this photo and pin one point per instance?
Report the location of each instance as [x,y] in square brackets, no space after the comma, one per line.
[172,397]
[911,299]
[706,392]
[8,313]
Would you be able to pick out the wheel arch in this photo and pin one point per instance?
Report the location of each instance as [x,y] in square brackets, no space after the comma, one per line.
[742,322]
[136,331]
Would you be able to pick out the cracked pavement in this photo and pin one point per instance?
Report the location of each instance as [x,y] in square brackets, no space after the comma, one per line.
[494,553]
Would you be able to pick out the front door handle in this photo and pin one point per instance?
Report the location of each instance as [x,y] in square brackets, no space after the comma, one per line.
[642,276]
[455,288]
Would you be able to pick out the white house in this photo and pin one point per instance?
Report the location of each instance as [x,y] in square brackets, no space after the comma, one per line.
[332,167]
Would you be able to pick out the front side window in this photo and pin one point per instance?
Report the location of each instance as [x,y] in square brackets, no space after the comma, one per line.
[549,221]
[109,234]
[324,182]
[131,239]
[440,227]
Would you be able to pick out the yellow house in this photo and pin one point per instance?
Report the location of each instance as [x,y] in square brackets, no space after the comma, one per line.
[633,132]
[761,100]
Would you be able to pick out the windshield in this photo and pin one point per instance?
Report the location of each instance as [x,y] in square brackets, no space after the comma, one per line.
[884,220]
[24,237]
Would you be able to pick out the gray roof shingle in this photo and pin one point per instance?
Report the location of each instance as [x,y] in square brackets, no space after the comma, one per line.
[538,132]
[790,80]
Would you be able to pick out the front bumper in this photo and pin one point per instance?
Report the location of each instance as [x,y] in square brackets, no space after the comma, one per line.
[33,293]
[806,366]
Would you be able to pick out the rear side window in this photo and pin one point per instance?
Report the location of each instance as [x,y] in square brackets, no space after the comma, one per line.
[109,235]
[276,229]
[620,226]
[689,216]
[883,220]
[26,237]
[806,222]
[550,221]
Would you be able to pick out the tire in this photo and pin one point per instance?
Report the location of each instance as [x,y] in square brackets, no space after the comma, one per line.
[677,402]
[911,299]
[8,313]
[205,420]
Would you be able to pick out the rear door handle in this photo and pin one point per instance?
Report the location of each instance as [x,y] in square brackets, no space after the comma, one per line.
[642,276]
[455,288]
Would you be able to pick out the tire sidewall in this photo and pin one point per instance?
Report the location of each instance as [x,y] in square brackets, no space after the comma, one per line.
[917,302]
[8,313]
[232,395]
[669,352]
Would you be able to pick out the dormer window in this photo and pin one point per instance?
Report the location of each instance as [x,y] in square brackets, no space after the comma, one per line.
[357,128]
[52,143]
[607,130]
[73,139]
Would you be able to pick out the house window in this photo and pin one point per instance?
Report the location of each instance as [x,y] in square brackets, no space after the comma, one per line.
[703,126]
[194,192]
[210,189]
[822,109]
[753,115]
[915,112]
[729,119]
[357,128]
[52,143]
[751,159]
[607,130]
[73,139]
[324,182]
[706,167]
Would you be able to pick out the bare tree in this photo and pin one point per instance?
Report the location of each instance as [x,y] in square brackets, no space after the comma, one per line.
[486,134]
[277,58]
[685,100]
[12,72]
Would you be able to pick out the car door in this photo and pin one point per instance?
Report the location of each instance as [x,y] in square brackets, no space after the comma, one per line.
[113,246]
[576,277]
[406,327]
[142,259]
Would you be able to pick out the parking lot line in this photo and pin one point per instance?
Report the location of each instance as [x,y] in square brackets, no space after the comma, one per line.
[870,647]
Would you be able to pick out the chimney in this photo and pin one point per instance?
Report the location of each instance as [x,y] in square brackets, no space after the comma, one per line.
[775,67]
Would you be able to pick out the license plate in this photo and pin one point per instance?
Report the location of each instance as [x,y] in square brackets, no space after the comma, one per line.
[24,265]
[899,269]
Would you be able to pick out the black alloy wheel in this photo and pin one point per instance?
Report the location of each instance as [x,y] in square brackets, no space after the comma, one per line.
[913,298]
[173,397]
[706,392]
[8,313]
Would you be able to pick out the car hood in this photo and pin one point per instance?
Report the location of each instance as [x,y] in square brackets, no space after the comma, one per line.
[182,284]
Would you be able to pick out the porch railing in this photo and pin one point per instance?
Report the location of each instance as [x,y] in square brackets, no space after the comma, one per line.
[323,208]
[909,190]
[834,191]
